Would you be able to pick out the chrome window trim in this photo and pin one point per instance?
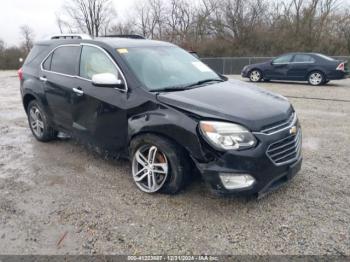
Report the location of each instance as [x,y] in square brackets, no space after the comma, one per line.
[303,62]
[287,63]
[82,78]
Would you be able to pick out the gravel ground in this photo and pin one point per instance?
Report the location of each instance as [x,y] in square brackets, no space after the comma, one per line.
[61,198]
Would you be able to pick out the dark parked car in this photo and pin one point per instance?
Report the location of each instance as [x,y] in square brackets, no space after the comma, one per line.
[165,110]
[315,68]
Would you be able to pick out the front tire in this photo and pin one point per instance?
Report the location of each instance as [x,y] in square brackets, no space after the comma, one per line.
[38,123]
[255,75]
[158,164]
[316,78]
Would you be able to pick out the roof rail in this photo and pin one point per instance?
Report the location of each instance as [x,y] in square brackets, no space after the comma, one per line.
[133,36]
[71,36]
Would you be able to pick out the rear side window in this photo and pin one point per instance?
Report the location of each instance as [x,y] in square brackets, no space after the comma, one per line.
[303,59]
[326,57]
[65,60]
[94,61]
[35,55]
[47,63]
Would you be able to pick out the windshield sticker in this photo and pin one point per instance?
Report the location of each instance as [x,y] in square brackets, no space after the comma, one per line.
[201,66]
[122,51]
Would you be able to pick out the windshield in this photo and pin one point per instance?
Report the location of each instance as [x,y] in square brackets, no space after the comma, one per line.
[159,68]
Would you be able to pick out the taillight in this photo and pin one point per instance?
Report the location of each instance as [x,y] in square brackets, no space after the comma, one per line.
[20,74]
[341,67]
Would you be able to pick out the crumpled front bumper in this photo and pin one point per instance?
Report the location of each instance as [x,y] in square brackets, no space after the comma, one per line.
[254,162]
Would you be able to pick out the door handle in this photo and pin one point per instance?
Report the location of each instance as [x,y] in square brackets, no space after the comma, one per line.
[43,78]
[78,91]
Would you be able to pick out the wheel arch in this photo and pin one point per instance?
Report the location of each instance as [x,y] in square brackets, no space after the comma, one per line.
[324,76]
[257,69]
[167,137]
[27,98]
[165,123]
[313,70]
[159,134]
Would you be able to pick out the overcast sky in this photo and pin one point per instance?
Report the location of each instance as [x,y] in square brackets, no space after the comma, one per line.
[39,15]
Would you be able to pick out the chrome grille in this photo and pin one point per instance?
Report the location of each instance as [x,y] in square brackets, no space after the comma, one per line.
[286,150]
[280,126]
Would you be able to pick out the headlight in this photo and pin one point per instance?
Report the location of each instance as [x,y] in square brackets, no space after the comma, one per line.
[227,136]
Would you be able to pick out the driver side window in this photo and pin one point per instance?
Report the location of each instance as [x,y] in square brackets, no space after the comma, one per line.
[283,59]
[94,61]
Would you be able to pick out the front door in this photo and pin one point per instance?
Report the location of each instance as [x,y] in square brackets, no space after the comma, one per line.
[279,67]
[99,113]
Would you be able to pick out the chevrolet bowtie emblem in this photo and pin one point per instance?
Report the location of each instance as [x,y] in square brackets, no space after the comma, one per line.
[293,130]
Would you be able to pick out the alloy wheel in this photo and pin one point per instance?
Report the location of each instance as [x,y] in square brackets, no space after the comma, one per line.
[36,121]
[149,168]
[315,78]
[255,76]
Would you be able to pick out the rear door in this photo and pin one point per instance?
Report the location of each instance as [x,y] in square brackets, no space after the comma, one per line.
[99,113]
[280,66]
[300,66]
[59,78]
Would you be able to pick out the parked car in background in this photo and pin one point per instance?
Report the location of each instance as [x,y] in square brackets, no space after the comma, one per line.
[317,69]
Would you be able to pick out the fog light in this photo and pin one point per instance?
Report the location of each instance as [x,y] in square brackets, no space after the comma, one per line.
[235,181]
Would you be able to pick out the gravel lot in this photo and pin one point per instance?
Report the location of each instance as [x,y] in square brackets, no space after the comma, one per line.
[61,198]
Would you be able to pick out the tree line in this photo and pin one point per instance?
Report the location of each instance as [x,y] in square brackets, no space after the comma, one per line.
[222,27]
[213,28]
[10,56]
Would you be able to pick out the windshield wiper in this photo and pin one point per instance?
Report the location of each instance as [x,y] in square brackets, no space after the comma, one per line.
[170,89]
[205,81]
[186,87]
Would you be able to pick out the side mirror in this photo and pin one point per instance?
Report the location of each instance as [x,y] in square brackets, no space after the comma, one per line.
[225,78]
[106,80]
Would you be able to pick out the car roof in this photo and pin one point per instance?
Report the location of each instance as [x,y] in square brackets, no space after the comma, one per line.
[114,42]
[302,53]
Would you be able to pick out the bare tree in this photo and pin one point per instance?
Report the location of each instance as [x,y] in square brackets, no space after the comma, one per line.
[150,18]
[89,16]
[28,37]
[63,25]
[123,28]
[222,27]
[2,46]
[179,20]
[343,23]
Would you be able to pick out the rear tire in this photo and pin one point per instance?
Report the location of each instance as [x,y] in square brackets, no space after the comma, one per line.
[316,78]
[158,164]
[255,75]
[38,122]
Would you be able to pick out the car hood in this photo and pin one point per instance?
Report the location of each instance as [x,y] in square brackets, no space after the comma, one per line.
[233,101]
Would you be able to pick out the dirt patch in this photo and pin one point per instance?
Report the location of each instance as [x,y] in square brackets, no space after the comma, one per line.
[59,197]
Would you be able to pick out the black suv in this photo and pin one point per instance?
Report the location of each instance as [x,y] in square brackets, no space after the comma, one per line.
[165,110]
